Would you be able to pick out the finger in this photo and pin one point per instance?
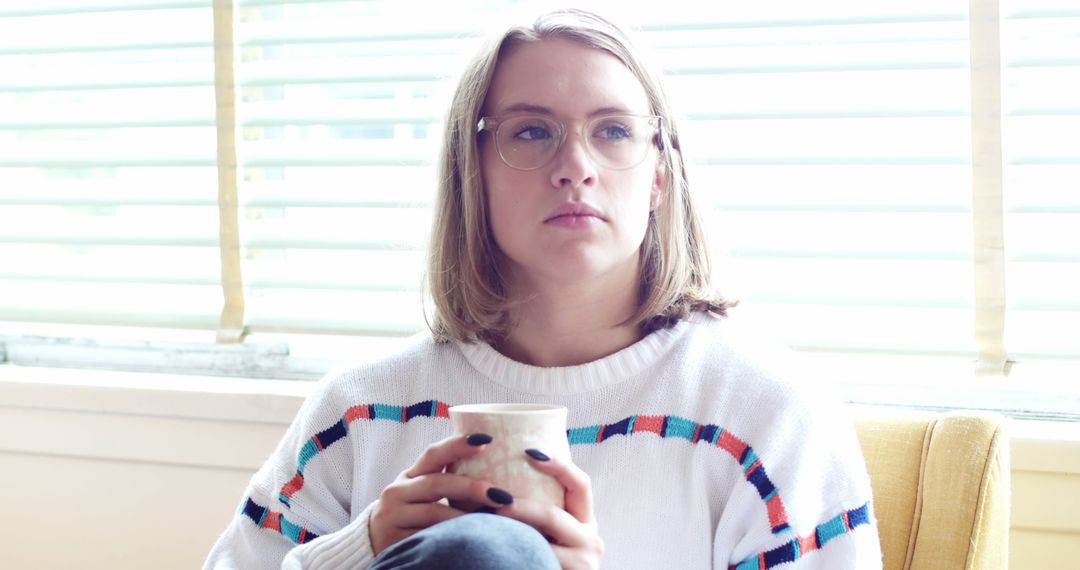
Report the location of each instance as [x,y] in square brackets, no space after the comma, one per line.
[576,544]
[392,525]
[579,500]
[442,453]
[558,525]
[422,515]
[579,557]
[437,486]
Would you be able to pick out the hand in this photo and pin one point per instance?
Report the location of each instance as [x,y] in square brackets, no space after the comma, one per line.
[572,532]
[411,503]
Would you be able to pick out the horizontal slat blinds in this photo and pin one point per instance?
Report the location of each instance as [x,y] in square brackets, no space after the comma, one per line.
[820,139]
[823,138]
[831,144]
[1041,90]
[340,117]
[108,211]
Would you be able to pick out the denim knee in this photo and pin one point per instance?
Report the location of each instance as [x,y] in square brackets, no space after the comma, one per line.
[475,542]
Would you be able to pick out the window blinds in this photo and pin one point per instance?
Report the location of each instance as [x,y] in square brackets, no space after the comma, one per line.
[108,211]
[1041,126]
[832,146]
[806,136]
[340,111]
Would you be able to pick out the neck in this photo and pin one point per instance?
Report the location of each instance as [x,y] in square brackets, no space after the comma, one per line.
[571,326]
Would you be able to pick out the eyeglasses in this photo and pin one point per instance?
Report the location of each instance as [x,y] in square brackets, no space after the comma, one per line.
[616,142]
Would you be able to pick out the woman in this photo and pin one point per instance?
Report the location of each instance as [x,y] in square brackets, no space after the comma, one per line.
[567,267]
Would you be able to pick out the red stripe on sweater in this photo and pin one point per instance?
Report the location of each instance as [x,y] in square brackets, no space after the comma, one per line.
[293,486]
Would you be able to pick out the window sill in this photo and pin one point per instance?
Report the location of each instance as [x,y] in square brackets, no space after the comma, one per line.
[152,394]
[191,421]
[90,413]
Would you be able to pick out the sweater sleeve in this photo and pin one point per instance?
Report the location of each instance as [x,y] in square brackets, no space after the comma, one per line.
[296,511]
[349,547]
[805,499]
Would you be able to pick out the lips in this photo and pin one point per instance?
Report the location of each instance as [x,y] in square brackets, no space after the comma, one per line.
[572,210]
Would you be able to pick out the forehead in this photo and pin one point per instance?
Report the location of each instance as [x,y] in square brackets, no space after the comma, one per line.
[569,78]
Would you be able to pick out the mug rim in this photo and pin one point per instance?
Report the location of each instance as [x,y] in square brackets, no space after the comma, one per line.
[505,408]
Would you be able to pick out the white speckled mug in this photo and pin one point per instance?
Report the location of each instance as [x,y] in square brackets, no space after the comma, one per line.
[514,428]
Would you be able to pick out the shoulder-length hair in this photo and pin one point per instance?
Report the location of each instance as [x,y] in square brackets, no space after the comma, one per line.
[463,279]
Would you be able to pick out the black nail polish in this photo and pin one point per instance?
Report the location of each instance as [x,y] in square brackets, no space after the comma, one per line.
[477,439]
[537,455]
[485,510]
[499,496]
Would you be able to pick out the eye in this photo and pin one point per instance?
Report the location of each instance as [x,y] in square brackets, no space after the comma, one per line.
[531,133]
[614,132]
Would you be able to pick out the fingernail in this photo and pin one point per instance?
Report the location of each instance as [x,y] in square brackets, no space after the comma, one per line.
[499,496]
[537,455]
[478,439]
[485,510]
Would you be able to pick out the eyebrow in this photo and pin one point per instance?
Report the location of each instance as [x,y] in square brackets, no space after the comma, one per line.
[541,110]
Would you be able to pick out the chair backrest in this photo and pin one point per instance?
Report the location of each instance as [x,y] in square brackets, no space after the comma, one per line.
[941,488]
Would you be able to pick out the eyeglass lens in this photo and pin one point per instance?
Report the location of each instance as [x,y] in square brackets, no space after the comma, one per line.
[618,141]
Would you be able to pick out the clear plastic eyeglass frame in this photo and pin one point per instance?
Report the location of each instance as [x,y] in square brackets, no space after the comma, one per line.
[534,153]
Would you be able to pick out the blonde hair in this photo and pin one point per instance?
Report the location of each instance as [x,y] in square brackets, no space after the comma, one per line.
[470,298]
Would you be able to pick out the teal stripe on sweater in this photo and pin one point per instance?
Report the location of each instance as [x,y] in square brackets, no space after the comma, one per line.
[749,460]
[584,435]
[307,452]
[831,529]
[385,412]
[290,530]
[749,564]
[680,427]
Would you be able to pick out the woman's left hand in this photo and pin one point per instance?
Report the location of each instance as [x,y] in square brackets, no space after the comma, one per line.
[572,532]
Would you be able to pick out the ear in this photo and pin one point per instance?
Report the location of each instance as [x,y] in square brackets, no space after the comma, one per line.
[659,179]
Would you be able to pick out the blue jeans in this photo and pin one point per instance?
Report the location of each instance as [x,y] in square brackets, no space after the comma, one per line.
[476,541]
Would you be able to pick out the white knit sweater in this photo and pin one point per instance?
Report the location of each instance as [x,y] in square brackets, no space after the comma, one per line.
[702,454]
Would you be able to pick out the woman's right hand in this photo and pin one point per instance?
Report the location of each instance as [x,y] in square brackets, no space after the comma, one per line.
[412,502]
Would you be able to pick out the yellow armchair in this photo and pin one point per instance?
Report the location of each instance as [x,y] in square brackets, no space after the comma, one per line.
[941,488]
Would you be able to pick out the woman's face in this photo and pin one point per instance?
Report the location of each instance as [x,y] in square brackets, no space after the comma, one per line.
[571,220]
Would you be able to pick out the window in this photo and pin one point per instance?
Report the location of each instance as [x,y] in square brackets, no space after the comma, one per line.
[892,185]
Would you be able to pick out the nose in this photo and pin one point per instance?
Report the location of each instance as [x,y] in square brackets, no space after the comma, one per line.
[572,165]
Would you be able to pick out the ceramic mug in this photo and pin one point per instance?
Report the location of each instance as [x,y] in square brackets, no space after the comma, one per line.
[514,428]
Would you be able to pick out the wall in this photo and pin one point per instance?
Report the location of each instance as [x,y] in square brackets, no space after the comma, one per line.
[112,470]
[1045,529]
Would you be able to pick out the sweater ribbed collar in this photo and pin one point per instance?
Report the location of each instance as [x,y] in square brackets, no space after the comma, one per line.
[565,380]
